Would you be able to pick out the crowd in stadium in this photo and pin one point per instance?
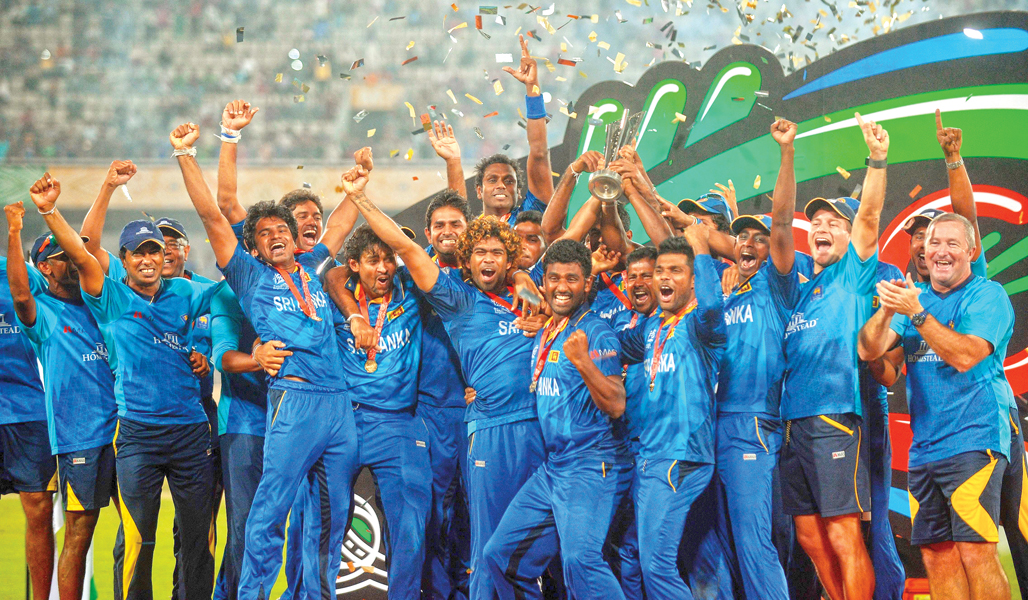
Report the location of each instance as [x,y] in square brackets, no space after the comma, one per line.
[547,407]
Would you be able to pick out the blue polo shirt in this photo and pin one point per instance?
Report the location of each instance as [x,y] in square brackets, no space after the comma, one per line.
[393,386]
[275,314]
[495,356]
[21,390]
[953,412]
[201,338]
[750,379]
[572,425]
[80,408]
[530,203]
[677,415]
[636,384]
[821,373]
[244,396]
[440,380]
[870,389]
[148,348]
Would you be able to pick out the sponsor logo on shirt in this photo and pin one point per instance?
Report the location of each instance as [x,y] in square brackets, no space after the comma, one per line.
[744,289]
[838,454]
[171,340]
[99,354]
[739,314]
[203,322]
[924,353]
[78,460]
[601,354]
[798,323]
[548,387]
[749,456]
[6,328]
[420,444]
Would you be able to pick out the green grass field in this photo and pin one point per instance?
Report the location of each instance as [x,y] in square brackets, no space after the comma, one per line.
[12,552]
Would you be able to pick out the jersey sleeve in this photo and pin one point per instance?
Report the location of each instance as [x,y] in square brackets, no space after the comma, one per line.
[980,266]
[450,297]
[987,314]
[604,349]
[112,302]
[536,273]
[532,203]
[633,343]
[860,275]
[710,305]
[785,289]
[237,228]
[242,273]
[37,281]
[899,324]
[46,320]
[115,268]
[226,323]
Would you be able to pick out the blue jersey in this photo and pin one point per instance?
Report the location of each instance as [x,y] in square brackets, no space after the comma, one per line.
[21,390]
[201,338]
[677,413]
[870,389]
[244,396]
[148,348]
[953,412]
[610,296]
[821,374]
[530,203]
[440,381]
[392,386]
[756,312]
[495,356]
[275,314]
[571,423]
[635,376]
[80,407]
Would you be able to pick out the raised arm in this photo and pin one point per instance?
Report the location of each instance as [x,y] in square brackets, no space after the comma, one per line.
[583,221]
[728,191]
[340,223]
[219,231]
[423,269]
[709,301]
[556,212]
[960,193]
[653,224]
[607,391]
[612,230]
[783,203]
[641,194]
[17,271]
[540,178]
[445,145]
[865,226]
[44,193]
[118,174]
[234,118]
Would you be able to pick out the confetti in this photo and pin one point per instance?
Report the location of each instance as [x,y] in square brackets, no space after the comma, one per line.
[371,132]
[278,78]
[357,63]
[239,35]
[756,183]
[296,65]
[559,78]
[478,21]
[454,7]
[306,185]
[478,132]
[461,26]
[566,62]
[294,54]
[410,45]
[321,60]
[497,87]
[487,10]
[492,114]
[914,192]
[845,174]
[603,45]
[360,116]
[344,76]
[409,60]
[412,115]
[505,147]
[564,111]
[299,166]
[760,94]
[619,63]
[504,58]
[410,154]
[679,118]
[397,18]
[634,2]
[450,94]
[426,122]
[501,20]
[592,36]
[372,22]
[457,112]
[472,98]
[298,99]
[393,153]
[414,177]
[828,119]
[546,24]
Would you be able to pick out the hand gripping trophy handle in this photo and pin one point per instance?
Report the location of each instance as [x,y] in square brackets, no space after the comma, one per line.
[604,183]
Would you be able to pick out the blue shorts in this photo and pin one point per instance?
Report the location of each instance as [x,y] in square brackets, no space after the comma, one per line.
[822,468]
[26,464]
[88,478]
[956,499]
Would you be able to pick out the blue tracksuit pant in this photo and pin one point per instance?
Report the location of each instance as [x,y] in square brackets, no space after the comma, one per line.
[664,492]
[447,542]
[242,459]
[310,430]
[573,501]
[747,452]
[500,459]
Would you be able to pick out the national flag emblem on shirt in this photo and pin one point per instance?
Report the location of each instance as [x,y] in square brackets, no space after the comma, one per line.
[745,288]
[553,356]
[396,312]
[874,302]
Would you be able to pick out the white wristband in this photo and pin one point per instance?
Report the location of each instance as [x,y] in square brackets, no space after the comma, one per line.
[230,136]
[49,212]
[190,151]
[355,315]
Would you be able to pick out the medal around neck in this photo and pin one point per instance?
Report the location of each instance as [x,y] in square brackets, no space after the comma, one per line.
[371,365]
[604,183]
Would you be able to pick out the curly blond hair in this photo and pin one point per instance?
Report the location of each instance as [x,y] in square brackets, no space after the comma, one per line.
[487,227]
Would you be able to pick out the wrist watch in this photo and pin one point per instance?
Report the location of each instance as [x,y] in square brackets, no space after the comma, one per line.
[918,319]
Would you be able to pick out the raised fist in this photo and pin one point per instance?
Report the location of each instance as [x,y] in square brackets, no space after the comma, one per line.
[15,213]
[119,173]
[44,192]
[184,136]
[783,131]
[354,180]
[363,158]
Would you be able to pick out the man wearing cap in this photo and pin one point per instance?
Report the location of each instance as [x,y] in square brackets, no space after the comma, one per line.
[749,433]
[81,411]
[824,474]
[27,466]
[954,333]
[162,430]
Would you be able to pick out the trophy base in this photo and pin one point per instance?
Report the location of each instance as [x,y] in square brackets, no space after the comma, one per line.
[605,185]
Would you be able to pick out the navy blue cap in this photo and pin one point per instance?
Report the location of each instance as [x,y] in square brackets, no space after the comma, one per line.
[137,233]
[46,247]
[761,222]
[169,226]
[844,207]
[921,219]
[714,204]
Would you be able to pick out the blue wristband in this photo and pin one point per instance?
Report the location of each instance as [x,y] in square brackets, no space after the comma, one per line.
[536,107]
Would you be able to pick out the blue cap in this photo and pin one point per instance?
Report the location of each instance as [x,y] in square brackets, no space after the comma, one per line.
[844,207]
[137,233]
[714,204]
[921,219]
[761,222]
[169,226]
[46,247]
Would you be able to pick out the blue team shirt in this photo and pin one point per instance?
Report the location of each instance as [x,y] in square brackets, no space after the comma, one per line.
[608,303]
[21,390]
[870,389]
[494,354]
[953,412]
[80,407]
[571,423]
[440,381]
[275,315]
[392,386]
[530,203]
[636,384]
[677,415]
[201,339]
[821,373]
[148,348]
[244,396]
[750,379]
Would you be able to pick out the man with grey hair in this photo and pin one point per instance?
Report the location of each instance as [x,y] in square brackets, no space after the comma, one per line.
[954,332]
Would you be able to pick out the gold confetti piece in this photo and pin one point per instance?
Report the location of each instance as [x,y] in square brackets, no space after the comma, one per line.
[410,45]
[278,78]
[554,174]
[561,78]
[369,569]
[564,111]
[563,47]
[603,45]
[410,153]
[497,87]
[549,65]
[468,96]
[619,63]
[305,88]
[845,174]
[634,2]
[679,118]
[339,190]
[546,24]
[582,73]
[535,90]
[828,119]
[299,166]
[371,132]
[594,18]
[461,26]
[412,115]
[914,192]
[592,36]
[372,22]
[756,183]
[298,99]
[393,153]
[454,7]
[450,94]
[521,116]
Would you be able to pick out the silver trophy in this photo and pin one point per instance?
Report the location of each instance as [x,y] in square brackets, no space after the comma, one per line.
[605,184]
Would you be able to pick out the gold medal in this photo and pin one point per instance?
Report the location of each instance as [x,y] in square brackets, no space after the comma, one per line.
[371,366]
[531,388]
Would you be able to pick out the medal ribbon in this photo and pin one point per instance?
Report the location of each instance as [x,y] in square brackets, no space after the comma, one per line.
[503,302]
[379,321]
[306,302]
[548,337]
[658,346]
[616,290]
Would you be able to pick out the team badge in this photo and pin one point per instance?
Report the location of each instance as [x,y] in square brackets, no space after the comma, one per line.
[816,295]
[396,312]
[554,356]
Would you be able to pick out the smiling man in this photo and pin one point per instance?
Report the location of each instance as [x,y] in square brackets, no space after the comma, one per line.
[954,332]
